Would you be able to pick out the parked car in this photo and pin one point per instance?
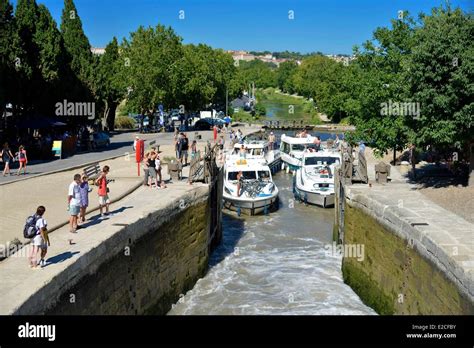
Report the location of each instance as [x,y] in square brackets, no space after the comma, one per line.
[174,115]
[207,123]
[101,139]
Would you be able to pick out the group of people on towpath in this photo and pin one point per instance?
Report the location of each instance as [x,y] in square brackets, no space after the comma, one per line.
[36,226]
[152,169]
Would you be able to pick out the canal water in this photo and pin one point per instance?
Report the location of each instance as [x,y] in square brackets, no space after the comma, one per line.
[278,264]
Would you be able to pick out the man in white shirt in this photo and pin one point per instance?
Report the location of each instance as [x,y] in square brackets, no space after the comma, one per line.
[74,202]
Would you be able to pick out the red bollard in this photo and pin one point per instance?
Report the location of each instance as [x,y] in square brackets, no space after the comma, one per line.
[139,153]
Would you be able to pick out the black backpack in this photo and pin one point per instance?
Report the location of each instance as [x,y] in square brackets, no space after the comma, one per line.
[30,231]
[185,143]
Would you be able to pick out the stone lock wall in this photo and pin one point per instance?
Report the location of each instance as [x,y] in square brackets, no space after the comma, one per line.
[394,278]
[148,275]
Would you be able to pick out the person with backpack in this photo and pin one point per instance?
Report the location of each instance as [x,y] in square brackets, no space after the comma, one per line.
[6,156]
[23,159]
[36,230]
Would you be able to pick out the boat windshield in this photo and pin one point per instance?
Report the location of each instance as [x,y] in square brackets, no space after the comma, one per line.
[264,175]
[298,147]
[311,161]
[246,175]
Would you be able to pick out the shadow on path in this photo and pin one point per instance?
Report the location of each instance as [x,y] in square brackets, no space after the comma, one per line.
[95,220]
[60,258]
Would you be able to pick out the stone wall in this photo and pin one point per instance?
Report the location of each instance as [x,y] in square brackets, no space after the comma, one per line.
[396,276]
[141,269]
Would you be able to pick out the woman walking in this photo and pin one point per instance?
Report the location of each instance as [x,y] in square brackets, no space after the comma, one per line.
[6,156]
[23,159]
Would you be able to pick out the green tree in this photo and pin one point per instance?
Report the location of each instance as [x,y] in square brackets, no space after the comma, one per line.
[149,62]
[440,73]
[77,44]
[376,79]
[284,76]
[202,77]
[258,72]
[323,79]
[26,62]
[107,85]
[7,55]
[52,63]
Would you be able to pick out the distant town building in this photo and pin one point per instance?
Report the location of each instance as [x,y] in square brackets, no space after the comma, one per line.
[246,56]
[98,50]
[340,58]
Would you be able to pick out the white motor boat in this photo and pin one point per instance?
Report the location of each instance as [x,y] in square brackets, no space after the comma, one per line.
[258,149]
[314,181]
[291,150]
[255,193]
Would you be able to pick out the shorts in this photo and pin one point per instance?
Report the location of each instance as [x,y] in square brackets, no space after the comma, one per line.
[74,210]
[152,173]
[39,242]
[183,153]
[103,200]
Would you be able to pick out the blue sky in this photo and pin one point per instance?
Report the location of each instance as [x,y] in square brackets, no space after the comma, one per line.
[330,26]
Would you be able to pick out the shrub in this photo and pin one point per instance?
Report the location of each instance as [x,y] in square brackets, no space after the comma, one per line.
[260,110]
[124,122]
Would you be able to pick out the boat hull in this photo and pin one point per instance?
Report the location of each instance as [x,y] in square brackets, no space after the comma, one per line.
[251,206]
[315,198]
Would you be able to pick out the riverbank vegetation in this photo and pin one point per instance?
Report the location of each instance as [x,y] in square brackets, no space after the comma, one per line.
[411,83]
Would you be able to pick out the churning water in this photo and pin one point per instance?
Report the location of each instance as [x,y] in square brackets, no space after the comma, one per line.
[275,264]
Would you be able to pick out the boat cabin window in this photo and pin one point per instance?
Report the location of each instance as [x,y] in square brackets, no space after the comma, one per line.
[285,147]
[311,161]
[264,175]
[257,152]
[246,175]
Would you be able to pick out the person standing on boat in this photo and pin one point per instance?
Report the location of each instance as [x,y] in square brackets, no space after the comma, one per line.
[271,141]
[242,152]
[240,179]
[317,143]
